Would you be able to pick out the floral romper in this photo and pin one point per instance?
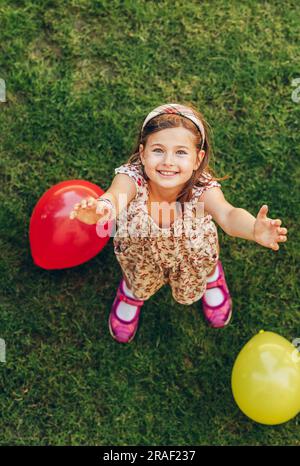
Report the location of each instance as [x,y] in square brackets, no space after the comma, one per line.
[150,256]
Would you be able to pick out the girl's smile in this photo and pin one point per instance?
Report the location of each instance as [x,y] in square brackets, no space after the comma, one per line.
[167,174]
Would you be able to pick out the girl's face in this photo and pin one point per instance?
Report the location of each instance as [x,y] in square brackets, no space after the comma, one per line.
[170,156]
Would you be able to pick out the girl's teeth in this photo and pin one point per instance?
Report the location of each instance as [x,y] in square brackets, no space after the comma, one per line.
[167,173]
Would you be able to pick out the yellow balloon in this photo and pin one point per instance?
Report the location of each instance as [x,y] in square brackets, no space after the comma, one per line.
[265,379]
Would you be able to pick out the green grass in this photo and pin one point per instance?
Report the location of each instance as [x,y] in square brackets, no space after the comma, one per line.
[80,77]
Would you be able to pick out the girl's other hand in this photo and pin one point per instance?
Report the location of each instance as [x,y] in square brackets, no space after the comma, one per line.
[268,232]
[90,211]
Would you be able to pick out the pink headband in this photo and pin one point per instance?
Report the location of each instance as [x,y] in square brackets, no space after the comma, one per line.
[179,110]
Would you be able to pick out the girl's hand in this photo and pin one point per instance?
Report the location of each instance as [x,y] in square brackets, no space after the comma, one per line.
[90,211]
[268,232]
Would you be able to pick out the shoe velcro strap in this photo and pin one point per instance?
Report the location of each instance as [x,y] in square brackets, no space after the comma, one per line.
[126,299]
[218,282]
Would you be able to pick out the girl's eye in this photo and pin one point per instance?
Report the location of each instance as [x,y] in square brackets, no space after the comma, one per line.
[182,151]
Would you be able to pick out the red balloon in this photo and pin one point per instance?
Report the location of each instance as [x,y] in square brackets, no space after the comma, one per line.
[56,241]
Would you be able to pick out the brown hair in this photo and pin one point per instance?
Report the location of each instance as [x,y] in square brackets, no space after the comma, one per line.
[172,120]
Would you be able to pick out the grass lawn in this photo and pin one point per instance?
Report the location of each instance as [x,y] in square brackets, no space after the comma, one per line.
[80,77]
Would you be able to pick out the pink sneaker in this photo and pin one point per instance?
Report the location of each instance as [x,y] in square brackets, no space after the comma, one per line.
[123,330]
[218,316]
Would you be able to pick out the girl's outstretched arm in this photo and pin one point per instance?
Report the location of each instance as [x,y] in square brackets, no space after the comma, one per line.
[121,191]
[262,229]
[240,223]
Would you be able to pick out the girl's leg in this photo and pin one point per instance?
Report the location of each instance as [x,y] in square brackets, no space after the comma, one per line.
[128,289]
[127,284]
[127,311]
[214,269]
[211,273]
[214,296]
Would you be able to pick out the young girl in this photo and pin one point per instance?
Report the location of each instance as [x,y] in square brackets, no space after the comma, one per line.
[161,236]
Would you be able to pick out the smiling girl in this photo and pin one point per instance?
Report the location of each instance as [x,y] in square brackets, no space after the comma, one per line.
[166,201]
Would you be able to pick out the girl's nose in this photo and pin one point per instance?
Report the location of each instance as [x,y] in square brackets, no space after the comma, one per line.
[169,157]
